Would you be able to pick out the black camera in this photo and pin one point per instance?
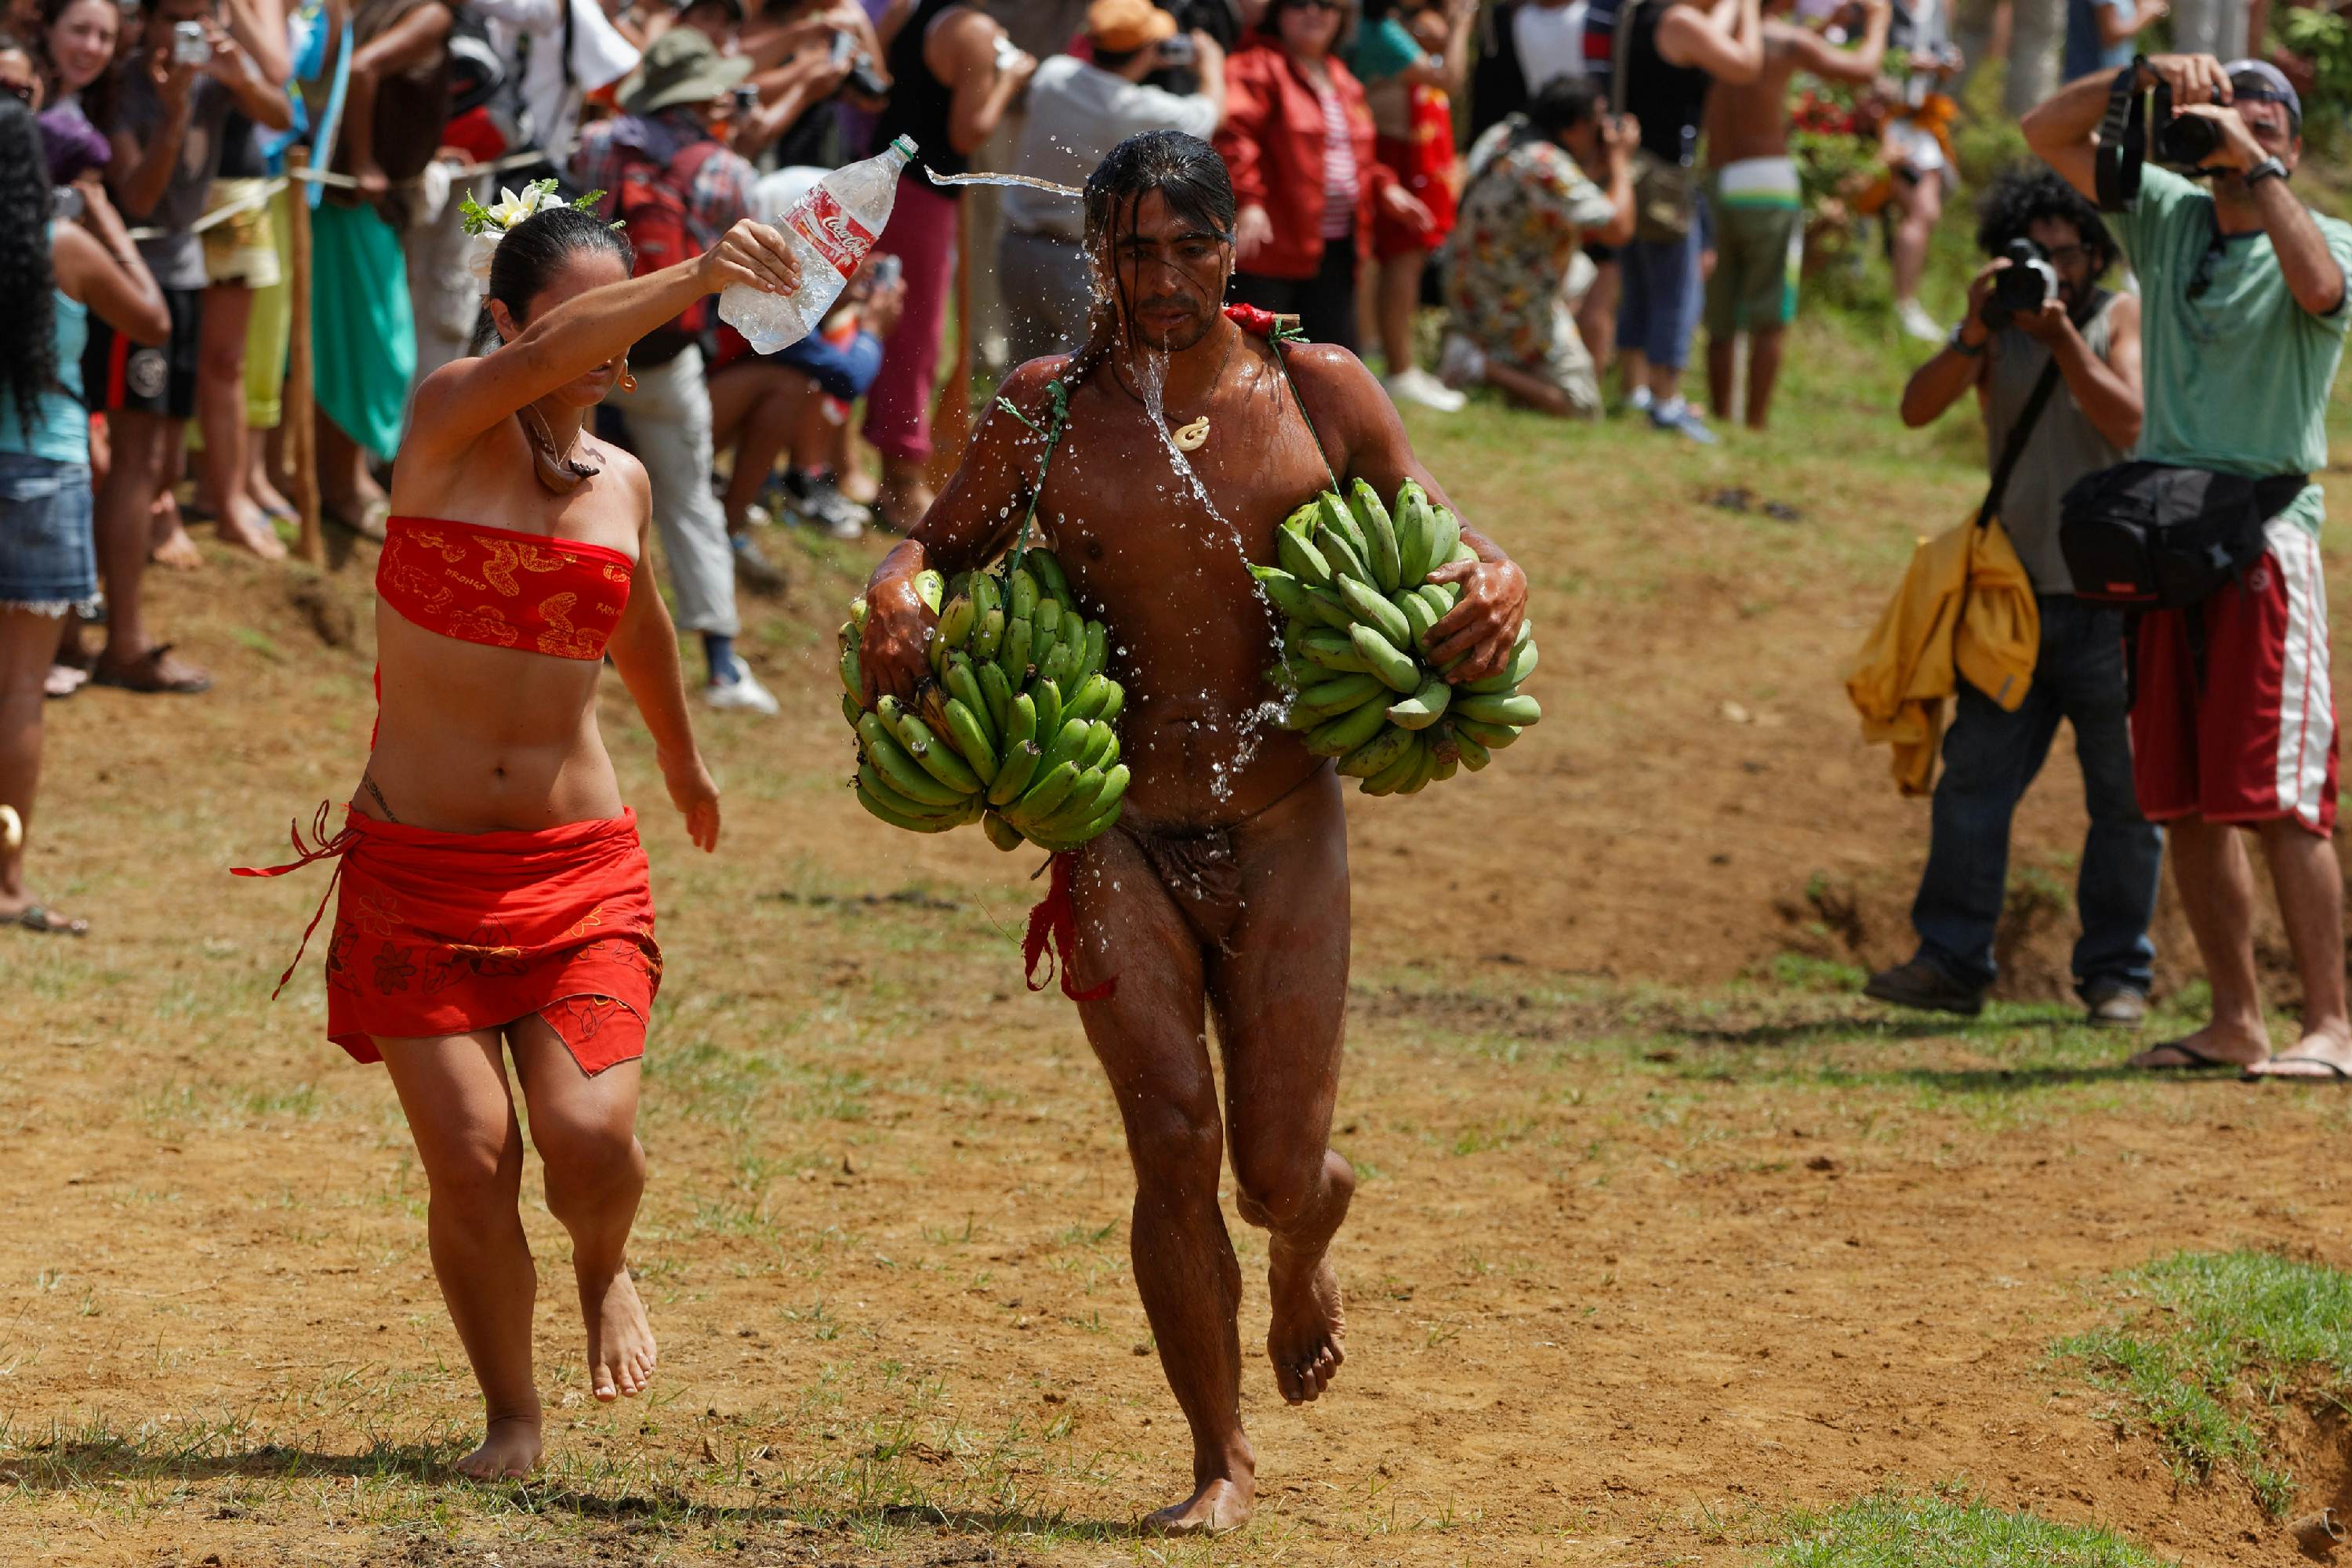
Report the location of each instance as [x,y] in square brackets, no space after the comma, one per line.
[2022,288]
[1179,50]
[2182,141]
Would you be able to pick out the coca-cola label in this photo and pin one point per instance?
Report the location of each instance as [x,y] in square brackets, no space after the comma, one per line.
[836,236]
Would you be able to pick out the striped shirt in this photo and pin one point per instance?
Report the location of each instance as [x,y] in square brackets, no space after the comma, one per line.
[1339,179]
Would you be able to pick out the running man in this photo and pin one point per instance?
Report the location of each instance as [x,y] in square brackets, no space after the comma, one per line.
[1760,206]
[1225,887]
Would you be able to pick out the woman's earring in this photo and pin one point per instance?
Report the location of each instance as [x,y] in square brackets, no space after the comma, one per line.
[628,383]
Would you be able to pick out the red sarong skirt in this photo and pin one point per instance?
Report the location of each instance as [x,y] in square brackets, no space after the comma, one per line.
[443,934]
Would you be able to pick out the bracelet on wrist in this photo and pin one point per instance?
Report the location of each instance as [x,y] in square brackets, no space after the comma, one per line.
[2268,169]
[1960,345]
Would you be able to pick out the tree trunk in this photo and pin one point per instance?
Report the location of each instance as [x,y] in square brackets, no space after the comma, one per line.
[2037,32]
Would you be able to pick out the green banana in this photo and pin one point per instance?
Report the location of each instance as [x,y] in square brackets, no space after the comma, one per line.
[1338,737]
[1053,788]
[1301,557]
[852,673]
[1412,525]
[1517,709]
[1098,656]
[1112,704]
[1418,614]
[1329,651]
[1047,696]
[968,735]
[956,620]
[1061,665]
[1446,768]
[871,778]
[1001,833]
[986,595]
[857,611]
[1462,552]
[1474,755]
[1381,657]
[1068,744]
[964,684]
[937,654]
[851,711]
[1346,560]
[1020,766]
[931,588]
[1374,755]
[1341,693]
[998,692]
[1332,512]
[1424,707]
[1050,579]
[1440,597]
[933,756]
[1086,702]
[1012,655]
[1370,609]
[876,806]
[1077,808]
[1379,532]
[1021,595]
[1424,768]
[891,760]
[1101,749]
[1325,606]
[987,633]
[1284,588]
[1406,763]
[1444,534]
[1494,737]
[1515,670]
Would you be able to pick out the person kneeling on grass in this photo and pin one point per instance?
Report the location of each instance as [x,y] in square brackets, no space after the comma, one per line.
[2246,307]
[494,899]
[2090,418]
[1224,885]
[1526,214]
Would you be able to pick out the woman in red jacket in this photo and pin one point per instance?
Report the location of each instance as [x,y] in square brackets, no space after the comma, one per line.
[1298,140]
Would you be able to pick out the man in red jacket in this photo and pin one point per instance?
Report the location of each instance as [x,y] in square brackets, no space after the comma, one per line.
[1223,887]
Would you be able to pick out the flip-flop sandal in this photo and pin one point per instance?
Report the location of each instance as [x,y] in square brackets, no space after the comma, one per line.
[142,677]
[369,523]
[35,918]
[62,681]
[2334,1075]
[2197,1060]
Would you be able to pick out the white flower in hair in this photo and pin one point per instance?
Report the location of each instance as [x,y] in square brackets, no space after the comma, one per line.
[488,224]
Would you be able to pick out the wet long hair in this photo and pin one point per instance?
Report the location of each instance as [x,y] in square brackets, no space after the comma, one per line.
[1189,175]
[532,253]
[28,344]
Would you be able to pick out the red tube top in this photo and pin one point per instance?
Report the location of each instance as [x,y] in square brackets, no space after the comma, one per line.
[503,589]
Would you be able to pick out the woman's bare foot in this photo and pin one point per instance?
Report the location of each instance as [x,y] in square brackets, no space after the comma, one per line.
[509,1450]
[1220,1505]
[2213,1045]
[2324,1055]
[1304,1338]
[246,526]
[267,495]
[176,549]
[621,1353]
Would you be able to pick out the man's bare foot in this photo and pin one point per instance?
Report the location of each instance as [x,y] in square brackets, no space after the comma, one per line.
[621,1353]
[2214,1046]
[2324,1055]
[176,550]
[1220,1506]
[1304,1338]
[509,1450]
[246,526]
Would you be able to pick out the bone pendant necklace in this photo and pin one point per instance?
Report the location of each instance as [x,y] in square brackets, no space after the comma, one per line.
[1192,436]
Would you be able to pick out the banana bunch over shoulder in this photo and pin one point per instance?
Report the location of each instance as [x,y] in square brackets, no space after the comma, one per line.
[1015,729]
[1354,585]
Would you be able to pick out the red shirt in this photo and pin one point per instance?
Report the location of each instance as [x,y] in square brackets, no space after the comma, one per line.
[1272,142]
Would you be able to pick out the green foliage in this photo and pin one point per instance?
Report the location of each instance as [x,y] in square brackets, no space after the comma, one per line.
[2324,38]
[2223,1338]
[1948,1528]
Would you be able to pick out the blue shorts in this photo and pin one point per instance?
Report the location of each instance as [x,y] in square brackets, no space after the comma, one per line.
[1657,303]
[48,557]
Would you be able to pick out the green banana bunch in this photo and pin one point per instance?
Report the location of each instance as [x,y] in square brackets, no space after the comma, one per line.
[1016,730]
[1351,581]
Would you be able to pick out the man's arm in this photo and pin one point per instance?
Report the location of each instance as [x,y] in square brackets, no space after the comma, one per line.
[1824,60]
[1728,44]
[2107,390]
[2063,131]
[972,520]
[1937,384]
[644,650]
[1359,418]
[2313,274]
[962,52]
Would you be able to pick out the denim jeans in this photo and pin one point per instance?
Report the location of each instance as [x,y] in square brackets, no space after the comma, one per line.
[1989,759]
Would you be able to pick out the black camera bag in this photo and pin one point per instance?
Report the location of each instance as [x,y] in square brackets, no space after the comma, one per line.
[2150,536]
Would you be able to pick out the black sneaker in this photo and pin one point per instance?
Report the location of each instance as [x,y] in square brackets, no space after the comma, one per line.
[1920,983]
[2111,1005]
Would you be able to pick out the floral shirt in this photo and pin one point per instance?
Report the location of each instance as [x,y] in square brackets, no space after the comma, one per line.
[1523,217]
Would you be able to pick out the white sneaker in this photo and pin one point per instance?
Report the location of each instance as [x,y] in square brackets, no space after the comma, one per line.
[1460,362]
[1913,318]
[1417,385]
[743,694]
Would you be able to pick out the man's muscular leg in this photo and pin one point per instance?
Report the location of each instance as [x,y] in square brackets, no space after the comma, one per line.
[1149,1038]
[1280,989]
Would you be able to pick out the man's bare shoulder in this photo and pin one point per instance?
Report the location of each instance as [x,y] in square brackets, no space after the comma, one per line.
[1027,388]
[1333,371]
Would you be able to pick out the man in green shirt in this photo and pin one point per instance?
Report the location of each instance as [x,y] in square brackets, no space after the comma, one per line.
[2243,315]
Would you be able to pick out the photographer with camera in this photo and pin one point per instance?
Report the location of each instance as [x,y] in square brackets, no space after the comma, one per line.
[2054,360]
[1078,110]
[2243,295]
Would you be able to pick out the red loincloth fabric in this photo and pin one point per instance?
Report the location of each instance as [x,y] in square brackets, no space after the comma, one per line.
[440,933]
[1052,938]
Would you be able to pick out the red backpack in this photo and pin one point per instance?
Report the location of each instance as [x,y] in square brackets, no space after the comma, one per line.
[651,204]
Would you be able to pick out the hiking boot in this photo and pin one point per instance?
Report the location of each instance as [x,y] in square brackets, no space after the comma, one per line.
[2111,1005]
[1677,416]
[1921,984]
[818,499]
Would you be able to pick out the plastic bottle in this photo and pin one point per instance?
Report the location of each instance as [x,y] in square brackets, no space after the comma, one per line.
[830,230]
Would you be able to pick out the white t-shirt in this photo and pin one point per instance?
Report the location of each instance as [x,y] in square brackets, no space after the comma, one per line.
[1550,41]
[550,93]
[1077,113]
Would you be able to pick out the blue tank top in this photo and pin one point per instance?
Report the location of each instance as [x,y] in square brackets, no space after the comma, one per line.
[61,430]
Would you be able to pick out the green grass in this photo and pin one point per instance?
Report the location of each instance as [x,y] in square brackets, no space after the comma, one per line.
[2214,1345]
[1948,1528]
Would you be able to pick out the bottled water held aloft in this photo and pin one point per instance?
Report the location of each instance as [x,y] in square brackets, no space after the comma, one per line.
[830,230]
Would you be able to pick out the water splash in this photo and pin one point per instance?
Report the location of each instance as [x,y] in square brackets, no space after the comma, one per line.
[1029,182]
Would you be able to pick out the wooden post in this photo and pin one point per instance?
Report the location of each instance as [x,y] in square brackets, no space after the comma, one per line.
[300,437]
